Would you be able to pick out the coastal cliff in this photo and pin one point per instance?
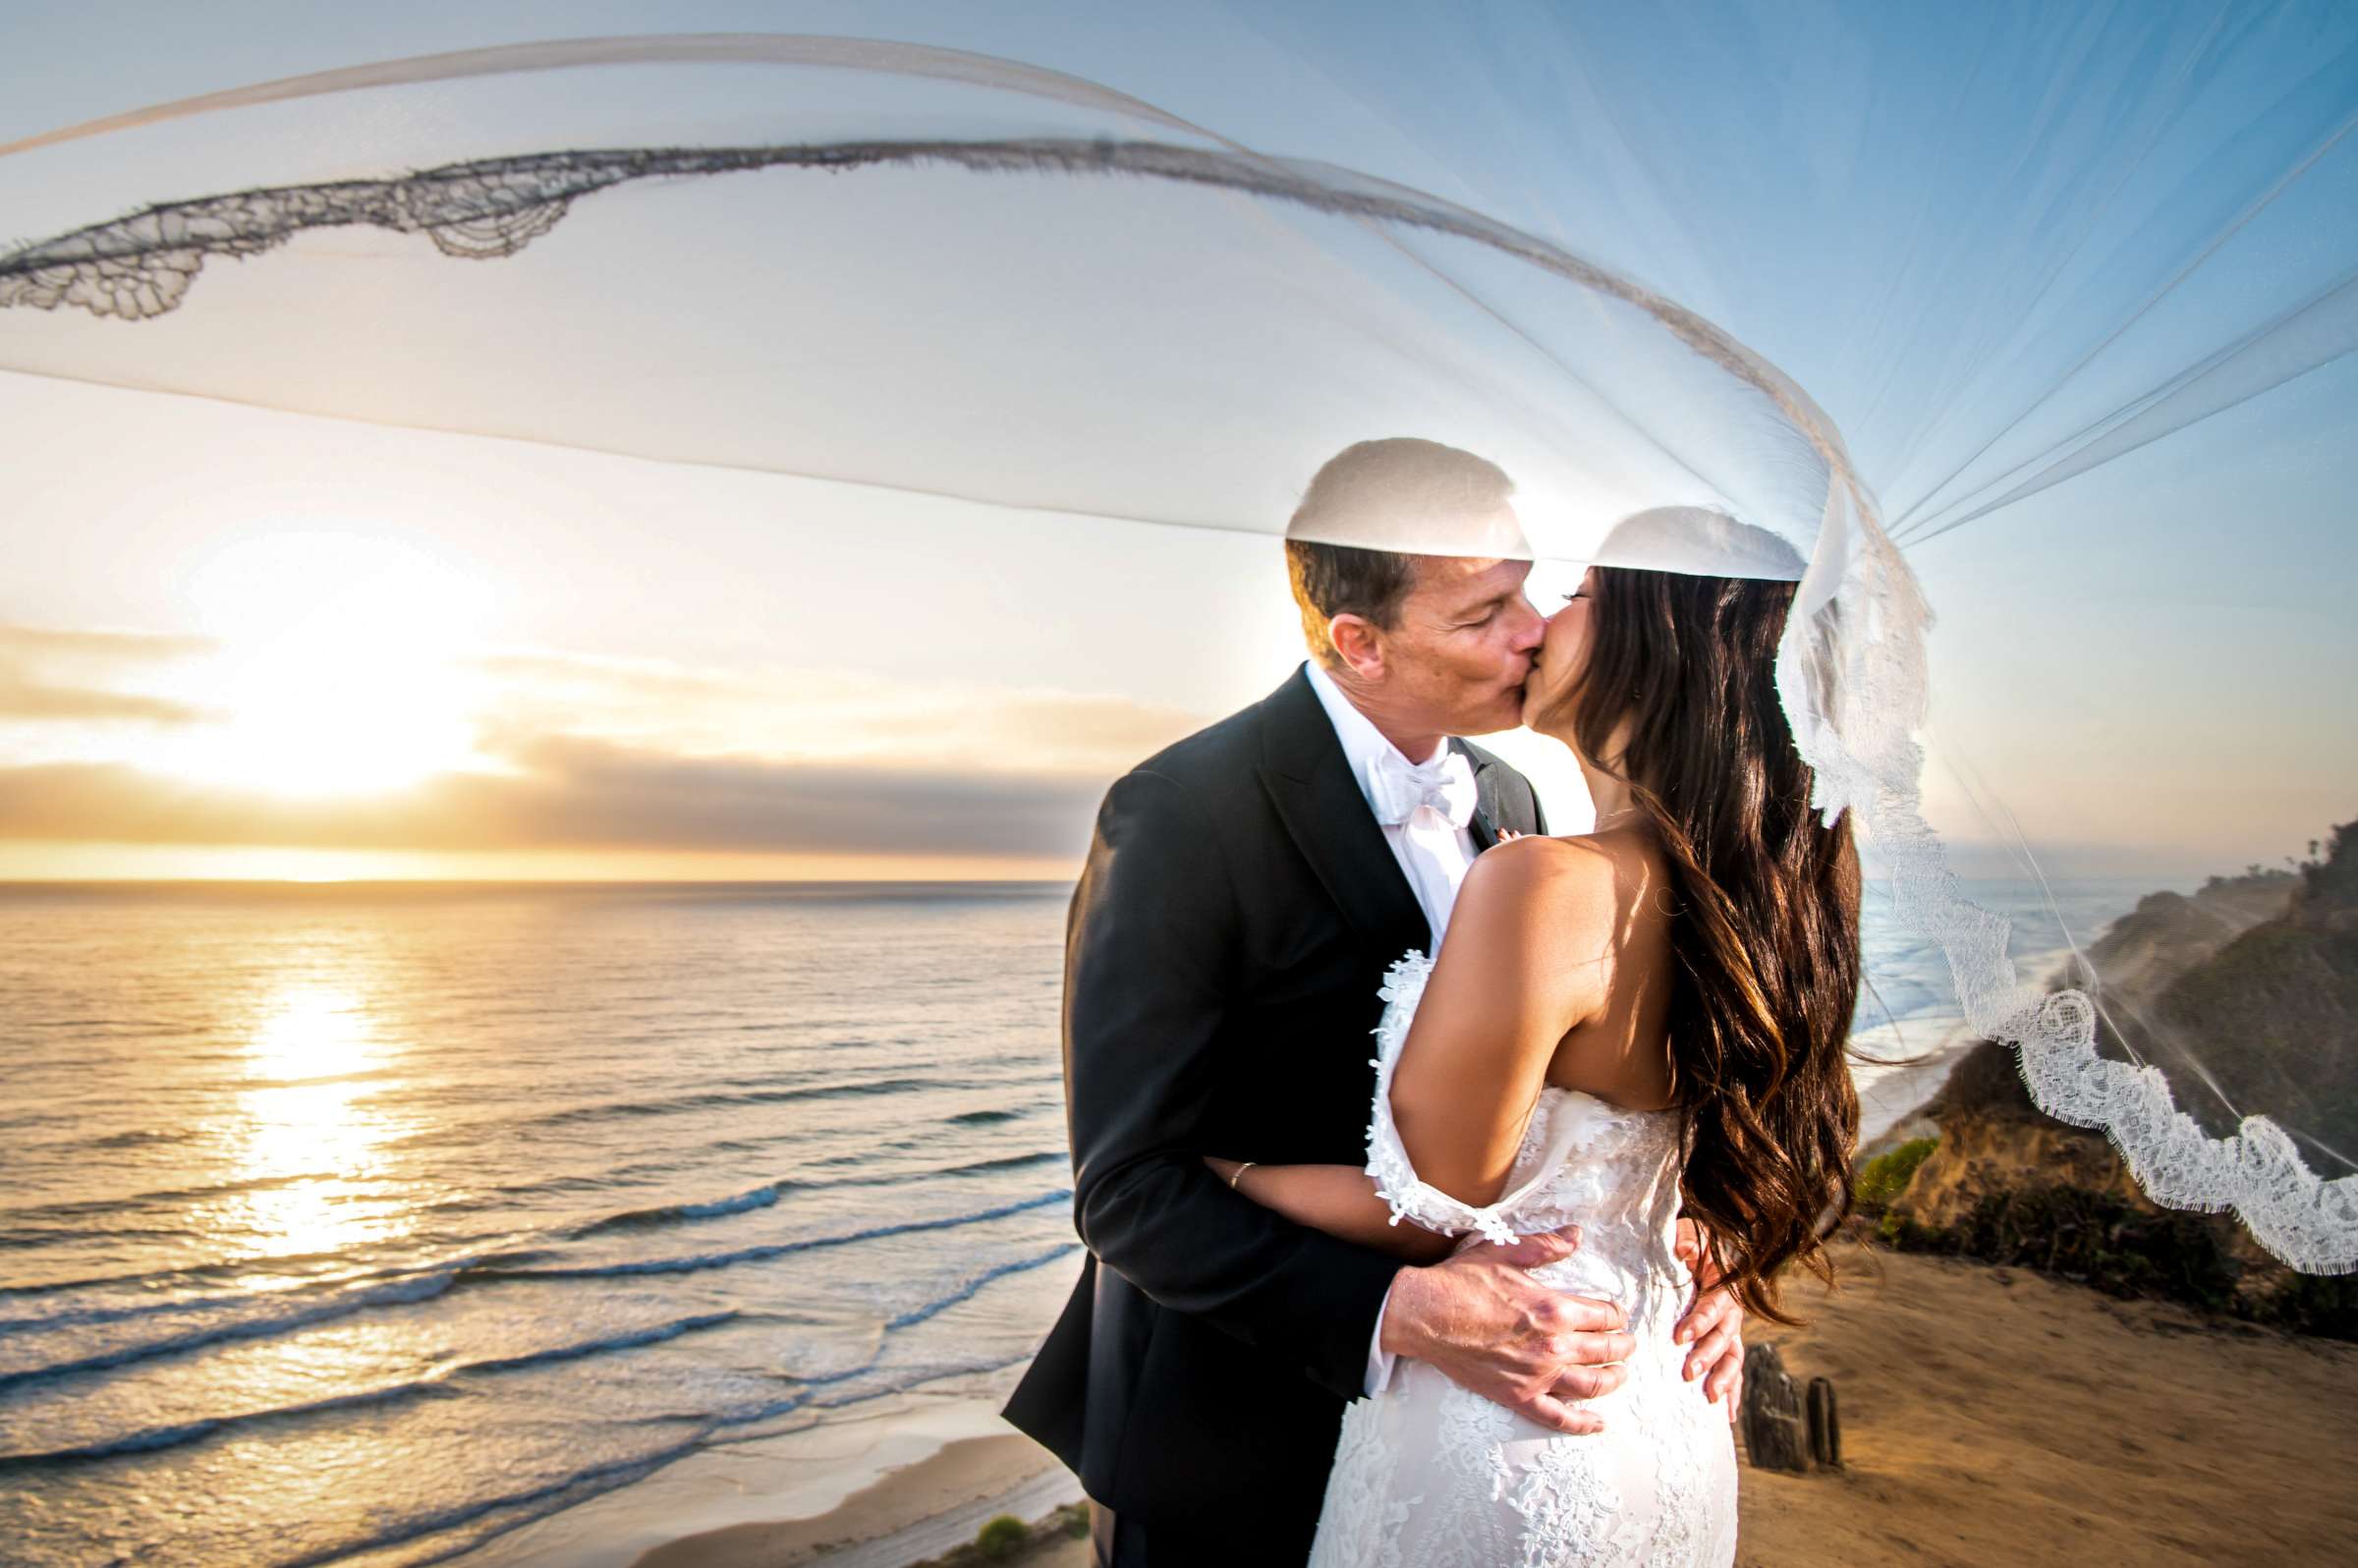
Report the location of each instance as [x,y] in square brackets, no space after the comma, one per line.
[2256,977]
[2169,934]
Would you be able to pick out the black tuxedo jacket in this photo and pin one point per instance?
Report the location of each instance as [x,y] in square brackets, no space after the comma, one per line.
[1223,956]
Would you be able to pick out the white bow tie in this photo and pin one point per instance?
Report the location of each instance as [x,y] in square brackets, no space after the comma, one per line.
[1396,787]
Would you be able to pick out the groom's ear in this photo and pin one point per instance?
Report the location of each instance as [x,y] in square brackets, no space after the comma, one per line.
[1359,643]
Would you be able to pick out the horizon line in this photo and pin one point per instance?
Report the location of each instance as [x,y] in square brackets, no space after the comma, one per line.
[7,882]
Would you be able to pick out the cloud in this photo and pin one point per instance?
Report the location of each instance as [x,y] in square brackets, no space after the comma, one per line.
[99,647]
[835,716]
[23,699]
[29,697]
[581,795]
[591,753]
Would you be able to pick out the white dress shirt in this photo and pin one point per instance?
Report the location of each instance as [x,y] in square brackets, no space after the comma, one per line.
[1432,853]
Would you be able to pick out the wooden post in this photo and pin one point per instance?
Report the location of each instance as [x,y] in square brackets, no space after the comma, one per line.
[1826,1425]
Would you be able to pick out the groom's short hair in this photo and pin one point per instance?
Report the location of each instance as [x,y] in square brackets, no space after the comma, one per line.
[1377,489]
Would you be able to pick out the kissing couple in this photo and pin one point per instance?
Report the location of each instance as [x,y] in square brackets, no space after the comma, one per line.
[1326,971]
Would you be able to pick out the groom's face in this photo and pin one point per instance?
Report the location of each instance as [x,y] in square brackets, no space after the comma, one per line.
[1461,645]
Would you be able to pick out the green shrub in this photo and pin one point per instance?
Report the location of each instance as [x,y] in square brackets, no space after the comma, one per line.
[1888,1175]
[2098,1239]
[2326,1305]
[1002,1536]
[2093,1239]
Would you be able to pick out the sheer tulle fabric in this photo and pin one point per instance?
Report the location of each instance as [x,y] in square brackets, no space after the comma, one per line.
[1151,267]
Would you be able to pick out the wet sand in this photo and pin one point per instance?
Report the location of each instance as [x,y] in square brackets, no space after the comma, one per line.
[915,1511]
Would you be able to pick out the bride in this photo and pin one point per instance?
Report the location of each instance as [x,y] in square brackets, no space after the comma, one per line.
[1620,1026]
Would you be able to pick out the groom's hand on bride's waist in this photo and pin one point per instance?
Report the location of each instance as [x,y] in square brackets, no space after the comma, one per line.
[1482,1319]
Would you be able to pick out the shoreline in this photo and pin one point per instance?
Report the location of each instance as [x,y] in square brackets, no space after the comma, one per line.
[911,1511]
[1891,1102]
[883,1488]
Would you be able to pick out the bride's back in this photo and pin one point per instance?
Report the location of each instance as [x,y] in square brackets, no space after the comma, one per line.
[1621,962]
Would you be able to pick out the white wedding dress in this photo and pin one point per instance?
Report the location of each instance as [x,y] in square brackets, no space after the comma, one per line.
[1429,1476]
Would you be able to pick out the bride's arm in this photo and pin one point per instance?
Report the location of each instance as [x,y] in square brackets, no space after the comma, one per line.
[1523,963]
[1339,1199]
[1506,987]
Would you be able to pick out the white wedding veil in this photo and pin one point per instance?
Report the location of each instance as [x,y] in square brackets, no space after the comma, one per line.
[1933,298]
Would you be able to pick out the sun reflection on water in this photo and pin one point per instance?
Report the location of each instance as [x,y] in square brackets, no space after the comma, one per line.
[308,1131]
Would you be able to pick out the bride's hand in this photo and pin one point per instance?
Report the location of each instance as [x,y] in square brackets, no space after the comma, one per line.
[1715,1324]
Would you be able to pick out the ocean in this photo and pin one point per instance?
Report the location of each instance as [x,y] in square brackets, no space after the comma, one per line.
[391,1224]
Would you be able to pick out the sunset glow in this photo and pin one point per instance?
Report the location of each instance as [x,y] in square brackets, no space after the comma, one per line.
[337,671]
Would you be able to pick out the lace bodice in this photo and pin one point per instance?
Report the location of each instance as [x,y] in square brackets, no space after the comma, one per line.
[1429,1476]
[1613,1172]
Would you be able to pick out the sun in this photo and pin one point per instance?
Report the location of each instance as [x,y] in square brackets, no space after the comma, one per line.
[339,666]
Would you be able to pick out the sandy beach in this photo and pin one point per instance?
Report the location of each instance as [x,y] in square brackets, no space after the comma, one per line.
[915,1511]
[1988,1415]
[1892,1098]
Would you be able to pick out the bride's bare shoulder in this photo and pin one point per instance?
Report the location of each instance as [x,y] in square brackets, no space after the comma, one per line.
[1537,874]
[1583,886]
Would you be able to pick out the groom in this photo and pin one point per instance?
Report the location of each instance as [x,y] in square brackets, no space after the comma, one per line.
[1244,894]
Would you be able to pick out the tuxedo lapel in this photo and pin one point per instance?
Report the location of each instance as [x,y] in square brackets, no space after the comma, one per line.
[1483,829]
[1310,783]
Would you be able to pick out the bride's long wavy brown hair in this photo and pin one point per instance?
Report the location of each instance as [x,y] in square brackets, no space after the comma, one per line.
[1681,673]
